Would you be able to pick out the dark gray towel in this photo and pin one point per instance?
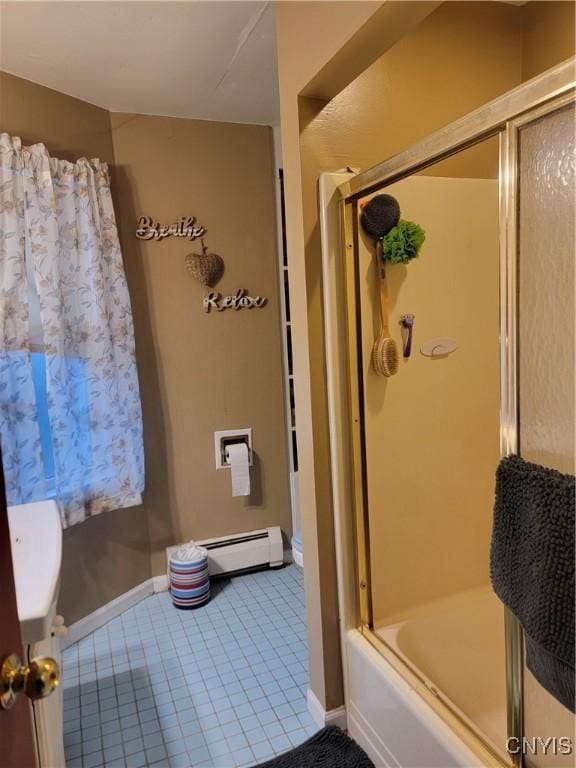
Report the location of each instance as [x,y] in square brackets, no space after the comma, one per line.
[532,566]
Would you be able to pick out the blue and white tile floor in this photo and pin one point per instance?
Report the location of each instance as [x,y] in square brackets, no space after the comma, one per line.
[218,687]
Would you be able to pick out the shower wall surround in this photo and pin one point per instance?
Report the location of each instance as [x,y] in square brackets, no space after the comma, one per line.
[198,372]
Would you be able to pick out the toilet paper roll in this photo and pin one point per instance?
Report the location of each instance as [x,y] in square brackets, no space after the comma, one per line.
[237,457]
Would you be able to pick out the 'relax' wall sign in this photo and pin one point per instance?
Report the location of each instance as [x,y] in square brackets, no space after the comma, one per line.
[238,300]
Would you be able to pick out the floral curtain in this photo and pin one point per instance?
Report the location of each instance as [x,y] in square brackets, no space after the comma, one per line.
[59,251]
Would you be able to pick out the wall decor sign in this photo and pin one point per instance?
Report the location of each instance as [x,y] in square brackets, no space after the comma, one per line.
[238,300]
[185,226]
[205,267]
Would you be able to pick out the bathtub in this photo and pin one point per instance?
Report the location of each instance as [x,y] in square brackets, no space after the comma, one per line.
[391,719]
[456,645]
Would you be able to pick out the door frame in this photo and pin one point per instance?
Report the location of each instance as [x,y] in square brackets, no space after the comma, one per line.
[17,738]
[502,117]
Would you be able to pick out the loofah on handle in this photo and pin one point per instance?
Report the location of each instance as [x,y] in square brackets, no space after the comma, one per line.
[385,354]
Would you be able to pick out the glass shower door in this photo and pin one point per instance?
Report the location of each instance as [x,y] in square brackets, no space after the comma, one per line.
[496,275]
[546,342]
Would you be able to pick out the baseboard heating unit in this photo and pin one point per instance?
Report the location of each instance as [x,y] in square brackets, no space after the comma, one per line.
[243,551]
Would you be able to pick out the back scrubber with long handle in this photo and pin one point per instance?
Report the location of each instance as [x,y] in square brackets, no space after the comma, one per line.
[378,217]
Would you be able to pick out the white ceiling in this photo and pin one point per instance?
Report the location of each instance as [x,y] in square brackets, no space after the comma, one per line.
[205,60]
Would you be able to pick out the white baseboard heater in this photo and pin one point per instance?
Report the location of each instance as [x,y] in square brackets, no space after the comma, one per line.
[243,551]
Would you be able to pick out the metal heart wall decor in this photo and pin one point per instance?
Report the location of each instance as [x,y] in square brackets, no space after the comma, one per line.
[205,267]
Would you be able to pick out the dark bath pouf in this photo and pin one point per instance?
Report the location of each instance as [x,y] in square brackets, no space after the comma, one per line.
[329,748]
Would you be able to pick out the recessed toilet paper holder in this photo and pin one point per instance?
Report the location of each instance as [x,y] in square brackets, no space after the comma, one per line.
[226,437]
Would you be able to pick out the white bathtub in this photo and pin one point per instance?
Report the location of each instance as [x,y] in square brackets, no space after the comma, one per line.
[391,721]
[456,644]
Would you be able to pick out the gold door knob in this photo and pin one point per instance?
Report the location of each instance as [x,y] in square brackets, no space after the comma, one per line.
[37,680]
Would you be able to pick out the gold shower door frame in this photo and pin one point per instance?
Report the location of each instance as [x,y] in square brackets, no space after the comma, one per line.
[503,117]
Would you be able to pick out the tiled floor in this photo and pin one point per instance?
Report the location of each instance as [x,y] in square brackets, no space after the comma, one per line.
[221,686]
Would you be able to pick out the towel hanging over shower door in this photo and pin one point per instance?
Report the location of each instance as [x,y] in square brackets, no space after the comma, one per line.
[532,567]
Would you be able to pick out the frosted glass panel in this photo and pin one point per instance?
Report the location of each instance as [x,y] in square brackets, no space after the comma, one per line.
[546,291]
[546,349]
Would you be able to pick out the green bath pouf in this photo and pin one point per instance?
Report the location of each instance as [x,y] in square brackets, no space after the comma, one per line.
[402,243]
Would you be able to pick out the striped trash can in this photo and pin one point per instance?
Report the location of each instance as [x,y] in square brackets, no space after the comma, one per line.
[188,574]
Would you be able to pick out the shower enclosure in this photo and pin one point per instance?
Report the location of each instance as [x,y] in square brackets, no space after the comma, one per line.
[414,455]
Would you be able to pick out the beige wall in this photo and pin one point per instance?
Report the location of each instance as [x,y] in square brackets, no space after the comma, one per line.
[548,30]
[418,86]
[197,373]
[203,372]
[302,52]
[93,551]
[352,35]
[70,128]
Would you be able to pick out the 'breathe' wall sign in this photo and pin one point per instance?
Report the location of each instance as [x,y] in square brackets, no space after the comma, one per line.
[186,226]
[238,300]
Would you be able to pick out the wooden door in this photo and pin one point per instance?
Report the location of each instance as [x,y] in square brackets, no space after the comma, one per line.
[16,738]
